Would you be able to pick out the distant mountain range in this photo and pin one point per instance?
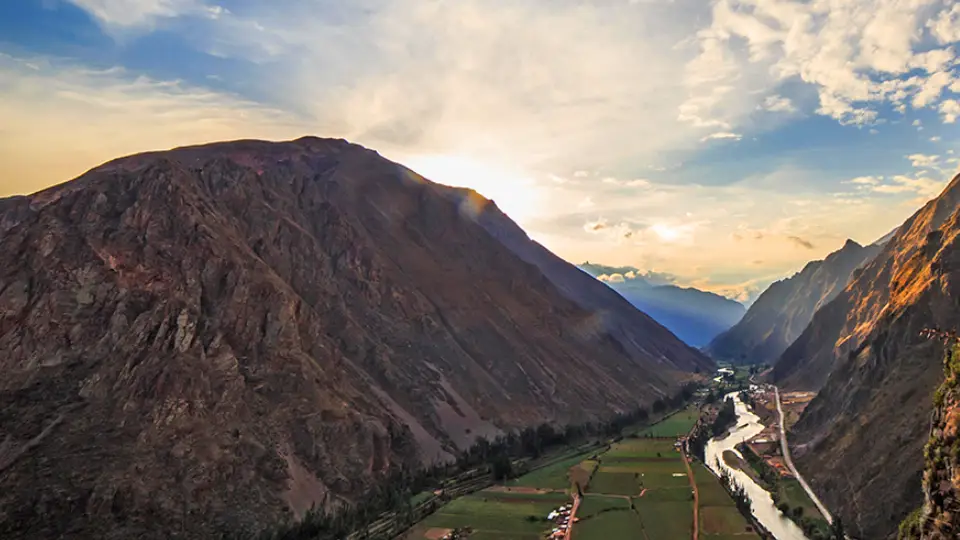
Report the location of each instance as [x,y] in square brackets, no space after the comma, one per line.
[695,316]
[785,309]
[215,338]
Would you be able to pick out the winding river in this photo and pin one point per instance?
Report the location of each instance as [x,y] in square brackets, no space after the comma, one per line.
[748,425]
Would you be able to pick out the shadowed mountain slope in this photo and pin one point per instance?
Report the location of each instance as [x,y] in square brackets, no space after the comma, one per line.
[213,338]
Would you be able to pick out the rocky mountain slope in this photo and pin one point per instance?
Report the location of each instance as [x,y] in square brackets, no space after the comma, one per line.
[642,336]
[212,338]
[695,316]
[939,517]
[785,309]
[860,441]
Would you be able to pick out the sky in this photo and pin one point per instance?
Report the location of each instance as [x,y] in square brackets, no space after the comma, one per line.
[721,143]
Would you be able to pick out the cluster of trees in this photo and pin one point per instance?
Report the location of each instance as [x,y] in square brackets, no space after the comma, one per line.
[737,492]
[703,432]
[495,459]
[769,477]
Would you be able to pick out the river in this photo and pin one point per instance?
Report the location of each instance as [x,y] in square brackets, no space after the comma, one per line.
[747,426]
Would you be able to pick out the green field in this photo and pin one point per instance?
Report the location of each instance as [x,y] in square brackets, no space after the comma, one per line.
[629,467]
[613,525]
[677,494]
[722,520]
[519,517]
[592,505]
[675,425]
[552,476]
[793,494]
[641,448]
[614,483]
[666,520]
[719,517]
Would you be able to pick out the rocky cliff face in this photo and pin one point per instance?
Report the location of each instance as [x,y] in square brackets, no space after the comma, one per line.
[784,310]
[860,441]
[939,518]
[210,339]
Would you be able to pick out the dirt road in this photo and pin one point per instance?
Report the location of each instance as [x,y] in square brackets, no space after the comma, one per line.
[696,496]
[573,514]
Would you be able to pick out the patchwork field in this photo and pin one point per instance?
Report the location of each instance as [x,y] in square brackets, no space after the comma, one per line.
[637,488]
[496,514]
[620,524]
[555,476]
[677,424]
[719,517]
[666,520]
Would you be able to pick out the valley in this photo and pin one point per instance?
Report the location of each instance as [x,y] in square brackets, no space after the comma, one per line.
[649,483]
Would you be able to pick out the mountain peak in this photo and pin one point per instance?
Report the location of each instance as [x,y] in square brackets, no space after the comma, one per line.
[850,243]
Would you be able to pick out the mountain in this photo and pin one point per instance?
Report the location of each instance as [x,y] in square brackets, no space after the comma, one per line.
[860,440]
[641,336]
[211,339]
[939,517]
[695,316]
[785,309]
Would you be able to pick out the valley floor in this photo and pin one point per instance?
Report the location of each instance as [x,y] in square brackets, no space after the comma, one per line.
[640,487]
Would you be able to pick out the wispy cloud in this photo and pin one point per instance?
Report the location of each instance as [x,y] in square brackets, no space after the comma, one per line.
[801,242]
[722,135]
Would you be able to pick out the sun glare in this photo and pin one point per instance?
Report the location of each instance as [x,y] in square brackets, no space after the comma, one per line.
[665,232]
[515,193]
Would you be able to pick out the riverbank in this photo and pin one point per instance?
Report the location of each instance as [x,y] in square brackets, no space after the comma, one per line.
[763,506]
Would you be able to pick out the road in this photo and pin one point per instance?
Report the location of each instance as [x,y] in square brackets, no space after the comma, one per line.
[786,458]
[573,514]
[696,496]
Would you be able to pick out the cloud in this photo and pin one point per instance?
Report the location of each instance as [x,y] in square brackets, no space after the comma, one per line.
[722,135]
[950,110]
[923,160]
[864,180]
[801,242]
[637,182]
[539,84]
[856,54]
[777,103]
[612,278]
[595,226]
[143,13]
[925,187]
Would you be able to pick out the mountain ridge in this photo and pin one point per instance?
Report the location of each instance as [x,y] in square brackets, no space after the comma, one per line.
[783,310]
[217,337]
[860,440]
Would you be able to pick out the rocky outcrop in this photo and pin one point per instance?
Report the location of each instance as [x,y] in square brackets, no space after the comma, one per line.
[784,310]
[206,340]
[939,518]
[860,441]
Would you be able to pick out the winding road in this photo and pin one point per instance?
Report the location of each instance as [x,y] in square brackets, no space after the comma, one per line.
[786,458]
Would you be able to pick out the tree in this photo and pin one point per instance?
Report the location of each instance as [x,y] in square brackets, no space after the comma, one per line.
[836,529]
